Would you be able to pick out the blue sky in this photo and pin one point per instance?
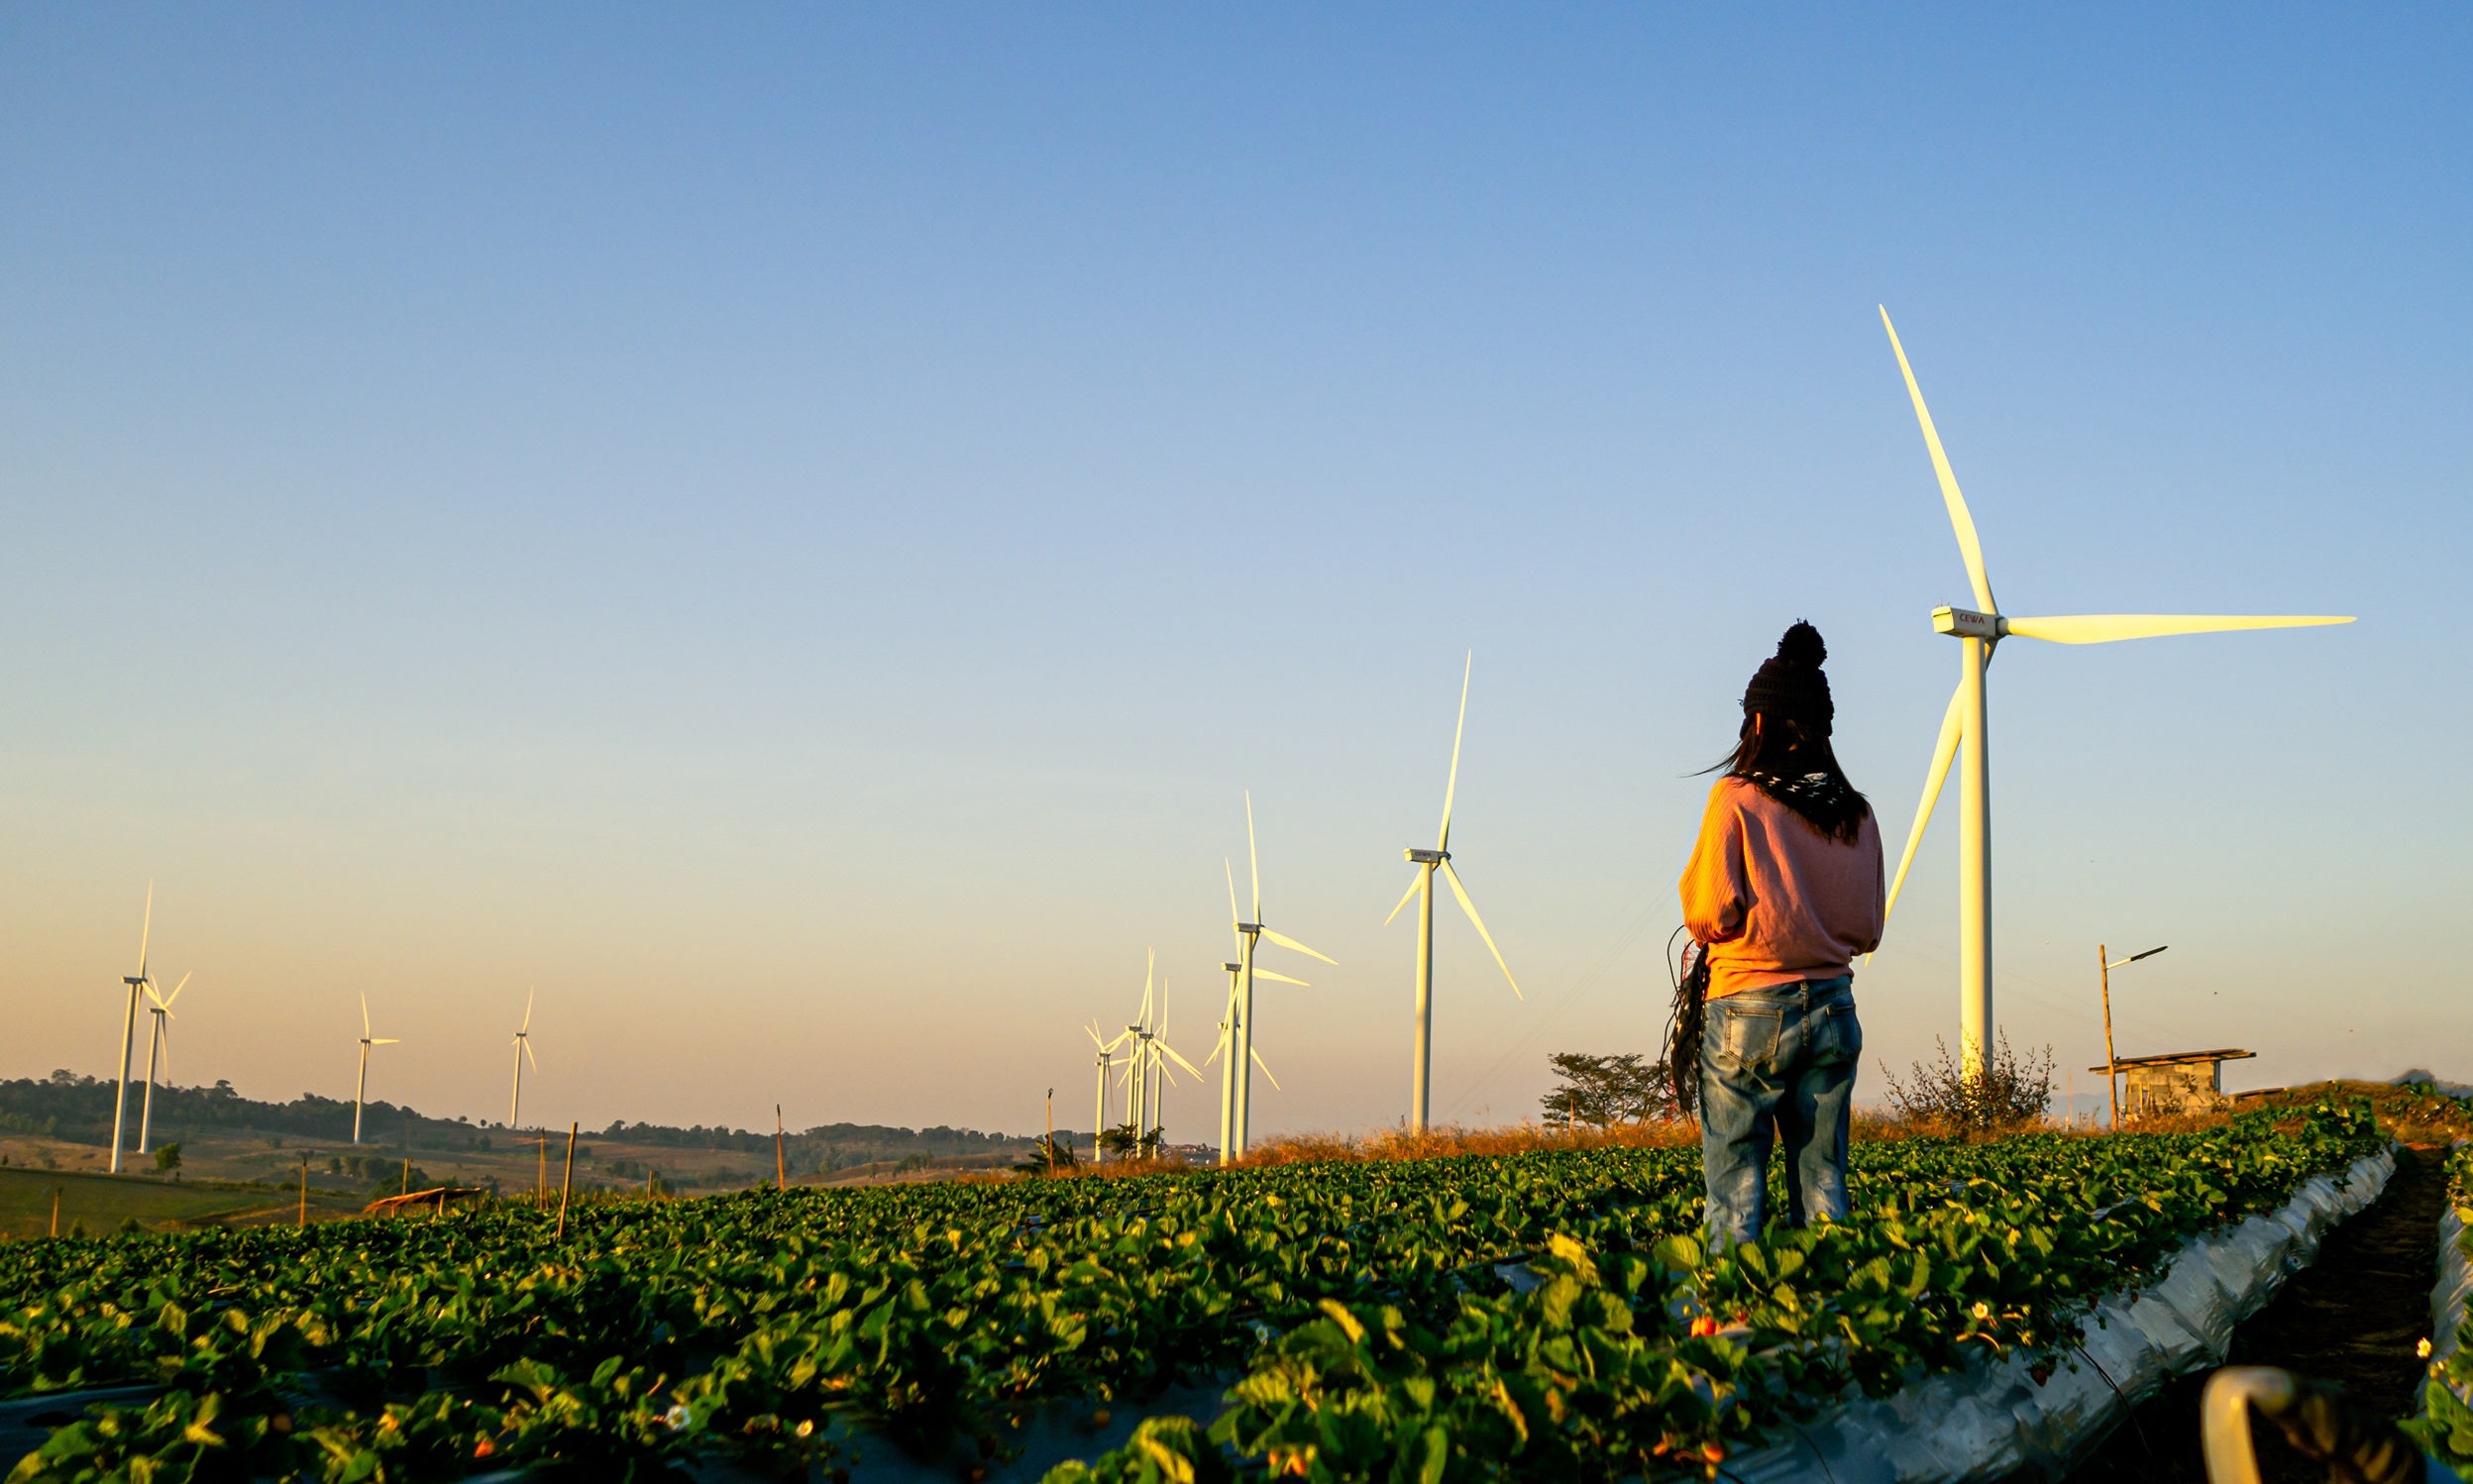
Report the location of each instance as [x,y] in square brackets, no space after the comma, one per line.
[792,531]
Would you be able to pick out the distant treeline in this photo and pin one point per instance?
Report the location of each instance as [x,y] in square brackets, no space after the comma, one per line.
[80,1110]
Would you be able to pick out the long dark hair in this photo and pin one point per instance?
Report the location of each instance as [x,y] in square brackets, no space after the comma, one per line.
[1795,764]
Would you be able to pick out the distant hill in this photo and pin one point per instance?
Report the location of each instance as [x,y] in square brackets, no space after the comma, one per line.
[78,1108]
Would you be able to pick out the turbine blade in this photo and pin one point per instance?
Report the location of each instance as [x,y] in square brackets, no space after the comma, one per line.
[1285,941]
[1450,788]
[1262,972]
[166,999]
[1969,547]
[1253,857]
[145,929]
[1944,751]
[387,1040]
[528,994]
[1266,1072]
[1170,1052]
[2105,628]
[1233,919]
[1478,923]
[365,1016]
[1414,882]
[528,1056]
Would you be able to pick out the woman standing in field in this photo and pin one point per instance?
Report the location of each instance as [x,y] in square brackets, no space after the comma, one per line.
[1784,889]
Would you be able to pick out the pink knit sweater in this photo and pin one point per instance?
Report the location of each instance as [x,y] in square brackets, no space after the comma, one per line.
[1774,898]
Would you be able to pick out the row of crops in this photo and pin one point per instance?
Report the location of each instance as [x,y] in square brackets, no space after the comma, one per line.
[2447,1425]
[1441,1317]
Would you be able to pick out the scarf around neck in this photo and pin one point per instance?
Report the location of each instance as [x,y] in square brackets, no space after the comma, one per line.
[1826,802]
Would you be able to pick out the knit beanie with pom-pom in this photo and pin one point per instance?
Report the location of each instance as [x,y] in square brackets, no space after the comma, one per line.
[1791,684]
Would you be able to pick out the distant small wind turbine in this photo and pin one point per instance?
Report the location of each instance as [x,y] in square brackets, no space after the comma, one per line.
[1249,936]
[523,1053]
[1228,1076]
[138,984]
[1964,723]
[1149,1069]
[359,1089]
[1421,886]
[157,1044]
[1099,1109]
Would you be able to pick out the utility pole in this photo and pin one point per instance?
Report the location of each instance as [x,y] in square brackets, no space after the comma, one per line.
[305,1191]
[2111,1066]
[781,1169]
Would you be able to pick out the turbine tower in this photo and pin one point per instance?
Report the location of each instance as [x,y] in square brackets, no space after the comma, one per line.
[136,983]
[1977,631]
[523,1053]
[158,1042]
[1421,886]
[1248,937]
[359,1089]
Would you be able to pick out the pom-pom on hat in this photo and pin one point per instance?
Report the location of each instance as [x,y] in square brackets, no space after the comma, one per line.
[1790,683]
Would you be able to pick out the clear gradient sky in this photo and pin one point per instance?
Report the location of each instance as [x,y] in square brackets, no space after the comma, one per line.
[792,528]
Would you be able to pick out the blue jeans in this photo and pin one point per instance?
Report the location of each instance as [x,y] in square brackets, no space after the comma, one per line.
[1777,1065]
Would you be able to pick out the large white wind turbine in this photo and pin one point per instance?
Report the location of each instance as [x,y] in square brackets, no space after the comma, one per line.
[1148,1071]
[361,1088]
[157,1044]
[1249,934]
[1421,886]
[138,984]
[523,1050]
[1963,726]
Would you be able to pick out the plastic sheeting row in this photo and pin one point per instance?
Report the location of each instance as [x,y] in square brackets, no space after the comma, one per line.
[1994,1418]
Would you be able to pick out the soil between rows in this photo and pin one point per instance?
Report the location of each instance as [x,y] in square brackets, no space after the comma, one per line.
[2353,1317]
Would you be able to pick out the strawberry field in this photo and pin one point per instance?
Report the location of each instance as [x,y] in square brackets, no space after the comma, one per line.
[1541,1315]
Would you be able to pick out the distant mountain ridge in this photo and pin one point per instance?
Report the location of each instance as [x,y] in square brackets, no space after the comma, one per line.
[78,1109]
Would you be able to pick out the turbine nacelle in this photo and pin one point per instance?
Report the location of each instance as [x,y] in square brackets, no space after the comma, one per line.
[1966,623]
[1428,857]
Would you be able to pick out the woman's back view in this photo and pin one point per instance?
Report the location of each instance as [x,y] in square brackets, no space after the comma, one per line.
[1785,889]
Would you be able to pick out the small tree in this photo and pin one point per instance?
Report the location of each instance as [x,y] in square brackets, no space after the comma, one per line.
[1600,1090]
[1119,1142]
[1048,1154]
[168,1159]
[2014,1091]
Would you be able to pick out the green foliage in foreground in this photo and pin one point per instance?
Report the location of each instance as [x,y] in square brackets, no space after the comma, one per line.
[2445,1428]
[1657,1364]
[1360,1302]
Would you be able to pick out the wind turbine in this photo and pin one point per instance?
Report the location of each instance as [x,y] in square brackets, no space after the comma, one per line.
[1099,1106]
[1152,1055]
[1249,933]
[1421,1073]
[136,983]
[1227,1070]
[158,1042]
[523,1053]
[1963,728]
[361,1088]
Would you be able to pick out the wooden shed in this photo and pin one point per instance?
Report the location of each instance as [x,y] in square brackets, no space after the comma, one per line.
[2176,1081]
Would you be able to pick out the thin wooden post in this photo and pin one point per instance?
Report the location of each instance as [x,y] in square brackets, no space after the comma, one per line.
[1051,1131]
[781,1170]
[305,1189]
[407,1176]
[2111,1068]
[541,1180]
[566,1184]
[55,1210]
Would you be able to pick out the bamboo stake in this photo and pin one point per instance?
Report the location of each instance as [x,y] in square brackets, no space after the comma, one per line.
[541,1181]
[2111,1068]
[55,1210]
[566,1184]
[781,1171]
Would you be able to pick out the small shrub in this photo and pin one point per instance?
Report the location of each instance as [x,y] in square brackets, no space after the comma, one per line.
[2013,1092]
